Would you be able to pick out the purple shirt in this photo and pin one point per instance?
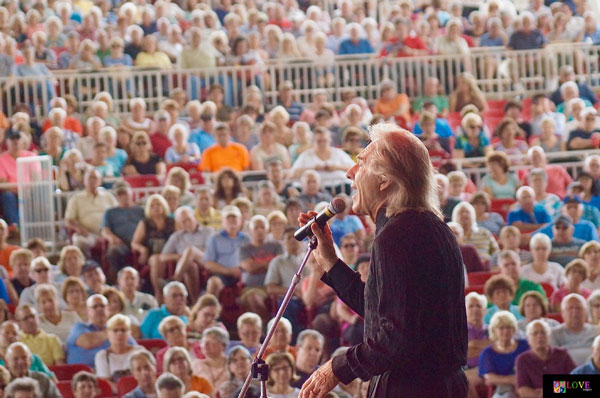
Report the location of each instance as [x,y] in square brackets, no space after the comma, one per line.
[531,368]
[474,333]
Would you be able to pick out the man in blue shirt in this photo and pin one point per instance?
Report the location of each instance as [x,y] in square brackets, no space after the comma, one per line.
[567,74]
[286,100]
[222,256]
[175,295]
[203,137]
[442,127]
[591,367]
[354,44]
[86,339]
[527,38]
[582,229]
[528,217]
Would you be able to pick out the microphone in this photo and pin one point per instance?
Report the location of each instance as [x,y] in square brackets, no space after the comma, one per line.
[336,206]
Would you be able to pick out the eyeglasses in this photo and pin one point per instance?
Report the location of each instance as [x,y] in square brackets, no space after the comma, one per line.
[97,306]
[561,227]
[173,329]
[473,126]
[349,245]
[140,143]
[119,330]
[40,270]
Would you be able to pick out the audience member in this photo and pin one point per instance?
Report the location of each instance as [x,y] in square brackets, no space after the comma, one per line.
[175,295]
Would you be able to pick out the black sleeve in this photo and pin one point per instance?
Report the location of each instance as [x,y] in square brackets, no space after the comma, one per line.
[348,286]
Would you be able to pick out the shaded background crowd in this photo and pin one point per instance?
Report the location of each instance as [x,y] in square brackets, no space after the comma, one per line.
[179,214]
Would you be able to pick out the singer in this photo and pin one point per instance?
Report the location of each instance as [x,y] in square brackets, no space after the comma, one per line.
[415,339]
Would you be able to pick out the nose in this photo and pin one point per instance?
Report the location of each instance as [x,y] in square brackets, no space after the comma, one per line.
[352,172]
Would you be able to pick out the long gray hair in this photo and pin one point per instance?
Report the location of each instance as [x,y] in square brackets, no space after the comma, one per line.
[400,156]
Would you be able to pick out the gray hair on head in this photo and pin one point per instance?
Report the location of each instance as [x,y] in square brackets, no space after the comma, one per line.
[283,322]
[170,382]
[24,384]
[537,322]
[218,333]
[309,333]
[172,285]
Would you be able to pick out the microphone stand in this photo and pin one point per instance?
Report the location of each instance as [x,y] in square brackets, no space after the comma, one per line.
[259,369]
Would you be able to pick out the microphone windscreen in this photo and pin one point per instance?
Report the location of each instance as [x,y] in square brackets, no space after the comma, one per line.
[338,205]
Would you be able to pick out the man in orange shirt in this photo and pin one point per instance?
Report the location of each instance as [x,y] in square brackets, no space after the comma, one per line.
[224,153]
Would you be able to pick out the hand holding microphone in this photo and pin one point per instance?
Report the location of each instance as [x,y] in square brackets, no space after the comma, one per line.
[316,224]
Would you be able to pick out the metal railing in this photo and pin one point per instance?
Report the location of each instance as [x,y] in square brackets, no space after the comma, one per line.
[500,73]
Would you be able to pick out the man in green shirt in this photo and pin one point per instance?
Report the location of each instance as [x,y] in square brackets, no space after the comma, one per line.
[510,265]
[431,94]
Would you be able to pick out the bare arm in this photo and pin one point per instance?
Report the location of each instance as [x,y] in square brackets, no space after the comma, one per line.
[91,340]
[217,268]
[110,236]
[526,227]
[496,379]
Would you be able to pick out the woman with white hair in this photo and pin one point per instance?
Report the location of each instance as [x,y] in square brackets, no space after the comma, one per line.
[116,157]
[473,142]
[181,151]
[478,338]
[588,135]
[590,253]
[280,118]
[497,362]
[281,338]
[541,270]
[72,169]
[179,363]
[214,366]
[541,359]
[452,43]
[481,238]
[533,306]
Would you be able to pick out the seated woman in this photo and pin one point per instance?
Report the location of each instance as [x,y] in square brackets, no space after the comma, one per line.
[74,295]
[458,185]
[593,304]
[491,221]
[507,142]
[267,199]
[72,168]
[178,362]
[510,239]
[174,331]
[112,363]
[142,160]
[473,142]
[481,238]
[499,183]
[204,315]
[576,272]
[150,236]
[136,121]
[497,362]
[549,139]
[54,145]
[52,320]
[391,104]
[214,365]
[282,373]
[533,306]
[591,189]
[70,263]
[500,291]
[238,363]
[228,186]
[467,93]
[541,270]
[281,338]
[181,151]
[116,157]
[116,305]
[269,149]
[478,338]
[302,139]
[180,178]
[172,195]
[541,359]
[469,253]
[590,253]
[249,328]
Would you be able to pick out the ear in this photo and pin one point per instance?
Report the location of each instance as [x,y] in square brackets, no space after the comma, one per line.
[384,183]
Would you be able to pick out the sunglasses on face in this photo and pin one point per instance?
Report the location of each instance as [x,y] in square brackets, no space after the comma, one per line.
[40,270]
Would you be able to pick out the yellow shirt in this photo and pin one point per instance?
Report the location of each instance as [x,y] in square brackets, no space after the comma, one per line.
[88,209]
[216,157]
[47,346]
[156,60]
[213,220]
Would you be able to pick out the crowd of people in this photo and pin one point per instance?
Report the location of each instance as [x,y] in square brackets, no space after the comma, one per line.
[204,265]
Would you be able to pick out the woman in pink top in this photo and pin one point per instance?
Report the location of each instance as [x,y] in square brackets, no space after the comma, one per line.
[576,272]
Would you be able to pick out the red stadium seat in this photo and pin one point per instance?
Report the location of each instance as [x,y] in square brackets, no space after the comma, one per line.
[497,104]
[196,177]
[126,384]
[152,345]
[105,389]
[65,389]
[479,278]
[557,316]
[67,371]
[477,288]
[547,288]
[501,206]
[187,166]
[454,120]
[143,181]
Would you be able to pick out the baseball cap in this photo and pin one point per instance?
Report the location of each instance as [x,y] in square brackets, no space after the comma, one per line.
[231,211]
[564,220]
[572,199]
[89,265]
[121,186]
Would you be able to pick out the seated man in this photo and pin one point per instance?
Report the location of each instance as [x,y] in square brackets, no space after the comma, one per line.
[575,334]
[86,339]
[169,386]
[23,387]
[175,295]
[205,213]
[9,333]
[254,260]
[311,190]
[565,247]
[118,226]
[528,217]
[541,359]
[47,346]
[143,370]
[573,207]
[83,384]
[510,265]
[186,247]
[136,302]
[18,361]
[431,94]
[224,153]
[85,210]
[93,277]
[442,127]
[591,367]
[310,348]
[447,202]
[567,74]
[222,256]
